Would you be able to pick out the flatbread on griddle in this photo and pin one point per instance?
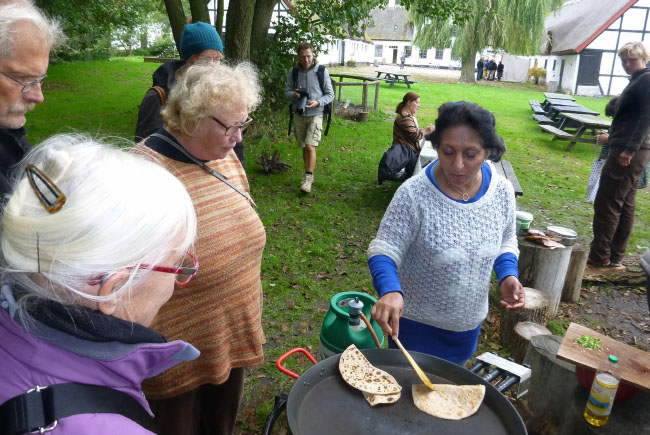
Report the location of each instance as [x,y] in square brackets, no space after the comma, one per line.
[357,371]
[452,402]
[376,399]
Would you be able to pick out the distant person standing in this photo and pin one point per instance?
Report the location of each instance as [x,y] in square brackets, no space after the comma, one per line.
[479,69]
[629,141]
[500,70]
[492,69]
[486,65]
[402,60]
[305,83]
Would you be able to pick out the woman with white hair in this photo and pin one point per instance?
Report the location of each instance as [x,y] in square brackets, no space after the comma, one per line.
[92,240]
[220,311]
[629,142]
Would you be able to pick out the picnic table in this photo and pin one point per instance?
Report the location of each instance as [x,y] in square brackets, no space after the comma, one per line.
[548,95]
[393,77]
[582,124]
[558,102]
[554,111]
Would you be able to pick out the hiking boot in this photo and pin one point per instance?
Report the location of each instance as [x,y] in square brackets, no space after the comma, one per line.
[598,263]
[305,186]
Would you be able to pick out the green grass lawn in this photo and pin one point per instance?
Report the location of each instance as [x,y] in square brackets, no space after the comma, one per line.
[316,244]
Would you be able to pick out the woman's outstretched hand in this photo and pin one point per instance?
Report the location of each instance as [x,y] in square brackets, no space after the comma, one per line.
[513,293]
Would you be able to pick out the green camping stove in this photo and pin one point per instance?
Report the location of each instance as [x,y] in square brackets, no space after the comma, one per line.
[343,326]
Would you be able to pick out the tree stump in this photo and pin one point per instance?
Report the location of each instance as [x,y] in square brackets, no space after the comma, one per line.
[523,332]
[544,269]
[573,280]
[534,310]
[628,417]
[552,381]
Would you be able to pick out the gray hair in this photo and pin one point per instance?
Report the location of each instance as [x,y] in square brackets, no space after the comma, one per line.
[202,87]
[121,211]
[17,12]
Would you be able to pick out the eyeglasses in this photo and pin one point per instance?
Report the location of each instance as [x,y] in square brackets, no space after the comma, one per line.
[29,85]
[184,273]
[232,129]
[45,190]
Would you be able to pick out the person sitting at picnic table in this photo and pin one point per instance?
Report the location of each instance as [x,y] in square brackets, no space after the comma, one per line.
[92,240]
[219,312]
[443,233]
[629,142]
[405,128]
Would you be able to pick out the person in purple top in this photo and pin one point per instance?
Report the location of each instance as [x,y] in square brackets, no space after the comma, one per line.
[92,241]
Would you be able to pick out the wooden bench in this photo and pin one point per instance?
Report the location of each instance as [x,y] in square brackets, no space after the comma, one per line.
[561,134]
[542,119]
[504,168]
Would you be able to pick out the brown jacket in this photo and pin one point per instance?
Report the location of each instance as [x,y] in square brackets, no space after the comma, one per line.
[406,131]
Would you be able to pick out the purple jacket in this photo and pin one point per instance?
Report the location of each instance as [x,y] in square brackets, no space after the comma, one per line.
[27,360]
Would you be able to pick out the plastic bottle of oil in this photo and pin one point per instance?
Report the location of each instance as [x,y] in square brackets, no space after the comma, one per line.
[603,390]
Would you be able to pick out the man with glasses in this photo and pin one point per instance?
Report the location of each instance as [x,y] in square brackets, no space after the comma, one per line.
[200,43]
[26,37]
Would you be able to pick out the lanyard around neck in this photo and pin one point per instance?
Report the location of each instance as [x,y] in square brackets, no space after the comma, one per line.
[203,166]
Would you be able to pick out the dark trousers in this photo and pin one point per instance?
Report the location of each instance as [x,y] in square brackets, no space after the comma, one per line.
[479,74]
[615,205]
[206,410]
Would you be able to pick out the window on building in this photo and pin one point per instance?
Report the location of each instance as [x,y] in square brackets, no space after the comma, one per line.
[407,51]
[423,54]
[438,53]
[545,63]
[554,63]
[379,49]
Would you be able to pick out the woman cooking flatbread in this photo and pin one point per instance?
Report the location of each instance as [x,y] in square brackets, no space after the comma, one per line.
[442,234]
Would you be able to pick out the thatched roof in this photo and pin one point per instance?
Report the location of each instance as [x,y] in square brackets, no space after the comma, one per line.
[390,24]
[578,22]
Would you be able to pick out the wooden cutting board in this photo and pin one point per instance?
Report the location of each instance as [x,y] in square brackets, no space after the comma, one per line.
[634,363]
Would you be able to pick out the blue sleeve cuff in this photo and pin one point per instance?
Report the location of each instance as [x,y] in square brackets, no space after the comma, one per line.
[384,274]
[506,265]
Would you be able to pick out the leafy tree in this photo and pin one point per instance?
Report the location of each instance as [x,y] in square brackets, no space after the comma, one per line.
[515,26]
[89,24]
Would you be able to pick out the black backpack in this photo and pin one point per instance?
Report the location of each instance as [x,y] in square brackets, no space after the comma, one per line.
[327,110]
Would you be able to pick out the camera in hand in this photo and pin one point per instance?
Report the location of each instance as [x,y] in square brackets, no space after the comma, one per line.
[302,102]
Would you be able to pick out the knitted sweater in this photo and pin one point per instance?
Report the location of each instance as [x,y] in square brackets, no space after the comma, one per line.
[220,311]
[407,132]
[444,250]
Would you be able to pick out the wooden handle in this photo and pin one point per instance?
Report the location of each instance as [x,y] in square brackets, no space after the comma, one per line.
[423,377]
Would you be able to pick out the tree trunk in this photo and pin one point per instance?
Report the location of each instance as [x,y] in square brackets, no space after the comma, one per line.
[524,331]
[261,24]
[467,74]
[218,22]
[176,20]
[239,22]
[573,280]
[534,310]
[199,11]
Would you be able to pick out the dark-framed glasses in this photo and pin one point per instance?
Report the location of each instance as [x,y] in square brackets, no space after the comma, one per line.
[27,86]
[184,273]
[232,129]
[45,190]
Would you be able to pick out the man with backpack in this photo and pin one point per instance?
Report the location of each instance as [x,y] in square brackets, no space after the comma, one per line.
[310,91]
[199,43]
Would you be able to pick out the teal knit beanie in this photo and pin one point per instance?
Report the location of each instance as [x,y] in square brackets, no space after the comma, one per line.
[198,37]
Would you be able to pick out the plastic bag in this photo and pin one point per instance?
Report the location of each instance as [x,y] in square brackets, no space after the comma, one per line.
[397,163]
[594,180]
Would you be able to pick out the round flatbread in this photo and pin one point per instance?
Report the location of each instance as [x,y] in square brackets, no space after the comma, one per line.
[376,399]
[451,402]
[357,371]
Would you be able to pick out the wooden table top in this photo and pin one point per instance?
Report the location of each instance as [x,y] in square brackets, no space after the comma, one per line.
[588,120]
[558,96]
[574,109]
[562,102]
[392,73]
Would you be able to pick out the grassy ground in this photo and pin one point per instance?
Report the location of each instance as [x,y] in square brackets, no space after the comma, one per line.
[316,244]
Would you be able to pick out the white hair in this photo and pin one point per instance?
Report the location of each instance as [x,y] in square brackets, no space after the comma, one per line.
[121,211]
[14,13]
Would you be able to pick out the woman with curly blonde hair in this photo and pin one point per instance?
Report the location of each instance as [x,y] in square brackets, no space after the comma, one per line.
[220,311]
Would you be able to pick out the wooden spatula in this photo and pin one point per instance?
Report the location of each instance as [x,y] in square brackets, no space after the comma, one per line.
[411,361]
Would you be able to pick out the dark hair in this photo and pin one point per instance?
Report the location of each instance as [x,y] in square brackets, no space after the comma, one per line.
[610,108]
[408,97]
[475,117]
[304,46]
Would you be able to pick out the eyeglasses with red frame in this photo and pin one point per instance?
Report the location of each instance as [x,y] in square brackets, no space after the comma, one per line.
[185,273]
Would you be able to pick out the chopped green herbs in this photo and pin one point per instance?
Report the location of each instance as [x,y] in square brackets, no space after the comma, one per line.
[589,342]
